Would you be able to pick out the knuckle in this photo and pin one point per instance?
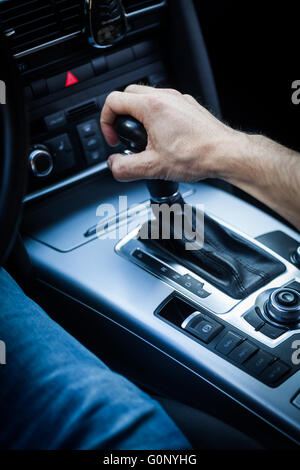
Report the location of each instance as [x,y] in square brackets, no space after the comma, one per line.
[112,96]
[131,87]
[154,102]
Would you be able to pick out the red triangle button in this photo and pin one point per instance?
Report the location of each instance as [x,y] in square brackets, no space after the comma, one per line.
[71,79]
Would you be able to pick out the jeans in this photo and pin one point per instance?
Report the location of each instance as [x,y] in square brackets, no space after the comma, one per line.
[55,394]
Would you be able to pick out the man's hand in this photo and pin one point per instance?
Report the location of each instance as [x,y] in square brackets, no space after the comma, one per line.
[185,141]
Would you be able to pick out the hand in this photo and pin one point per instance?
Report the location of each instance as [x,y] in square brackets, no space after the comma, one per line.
[185,141]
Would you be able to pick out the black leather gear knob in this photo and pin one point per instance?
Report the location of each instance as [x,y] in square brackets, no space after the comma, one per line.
[133,134]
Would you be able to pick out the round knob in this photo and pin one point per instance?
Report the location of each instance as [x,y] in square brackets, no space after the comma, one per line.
[284,305]
[41,162]
[133,134]
[295,258]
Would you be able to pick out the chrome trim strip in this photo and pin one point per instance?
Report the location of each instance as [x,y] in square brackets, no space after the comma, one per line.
[47,44]
[189,318]
[67,182]
[146,10]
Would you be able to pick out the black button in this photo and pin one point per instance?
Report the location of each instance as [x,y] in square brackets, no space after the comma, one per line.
[228,343]
[94,156]
[204,329]
[99,65]
[39,88]
[62,151]
[274,372]
[258,363]
[88,129]
[294,285]
[242,352]
[253,319]
[120,58]
[272,331]
[55,120]
[144,48]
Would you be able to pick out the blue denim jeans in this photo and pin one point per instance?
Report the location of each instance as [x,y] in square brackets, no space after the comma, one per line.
[55,394]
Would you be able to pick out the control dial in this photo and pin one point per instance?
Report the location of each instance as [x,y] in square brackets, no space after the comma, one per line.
[40,161]
[283,306]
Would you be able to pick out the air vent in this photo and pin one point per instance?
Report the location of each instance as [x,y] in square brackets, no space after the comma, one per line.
[32,24]
[135,6]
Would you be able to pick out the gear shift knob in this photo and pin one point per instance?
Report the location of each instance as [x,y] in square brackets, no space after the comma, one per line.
[133,134]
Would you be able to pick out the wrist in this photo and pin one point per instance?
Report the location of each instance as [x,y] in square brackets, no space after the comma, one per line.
[236,157]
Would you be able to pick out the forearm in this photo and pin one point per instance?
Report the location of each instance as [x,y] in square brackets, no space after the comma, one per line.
[266,170]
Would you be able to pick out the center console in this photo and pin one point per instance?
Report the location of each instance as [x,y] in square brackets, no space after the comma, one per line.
[170,321]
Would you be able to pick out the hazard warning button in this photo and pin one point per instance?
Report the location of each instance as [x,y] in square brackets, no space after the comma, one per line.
[70,78]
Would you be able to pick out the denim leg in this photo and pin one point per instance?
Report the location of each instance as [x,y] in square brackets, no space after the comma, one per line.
[55,394]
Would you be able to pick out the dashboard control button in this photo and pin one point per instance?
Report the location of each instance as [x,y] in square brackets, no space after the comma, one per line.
[253,318]
[39,88]
[194,286]
[242,352]
[283,306]
[228,343]
[272,331]
[99,65]
[274,372]
[296,401]
[294,285]
[62,151]
[55,120]
[259,362]
[119,58]
[40,161]
[70,78]
[203,328]
[88,129]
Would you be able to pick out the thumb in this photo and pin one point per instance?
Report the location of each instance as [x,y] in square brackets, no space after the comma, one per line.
[133,167]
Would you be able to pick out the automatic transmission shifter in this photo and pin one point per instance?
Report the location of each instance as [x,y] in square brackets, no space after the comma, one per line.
[133,134]
[227,260]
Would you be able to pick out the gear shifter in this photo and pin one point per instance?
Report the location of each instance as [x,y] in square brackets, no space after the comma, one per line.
[227,260]
[133,134]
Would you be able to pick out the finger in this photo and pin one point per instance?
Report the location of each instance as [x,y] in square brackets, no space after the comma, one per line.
[119,103]
[143,89]
[134,167]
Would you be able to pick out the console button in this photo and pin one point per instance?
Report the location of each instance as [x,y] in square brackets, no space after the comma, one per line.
[274,372]
[119,58]
[242,352]
[259,362]
[88,129]
[228,343]
[253,318]
[99,65]
[39,88]
[294,285]
[204,328]
[62,151]
[70,78]
[55,120]
[296,401]
[272,331]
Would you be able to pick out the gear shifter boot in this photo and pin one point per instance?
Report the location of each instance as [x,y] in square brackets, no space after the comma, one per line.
[227,260]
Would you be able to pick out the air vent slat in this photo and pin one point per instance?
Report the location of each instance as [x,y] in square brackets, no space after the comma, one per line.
[37,22]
